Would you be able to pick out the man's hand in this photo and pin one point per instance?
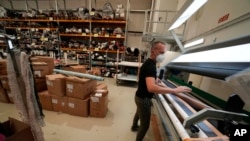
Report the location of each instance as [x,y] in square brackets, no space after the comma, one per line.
[182,89]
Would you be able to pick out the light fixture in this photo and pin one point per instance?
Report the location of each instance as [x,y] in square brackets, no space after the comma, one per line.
[194,43]
[187,10]
[237,53]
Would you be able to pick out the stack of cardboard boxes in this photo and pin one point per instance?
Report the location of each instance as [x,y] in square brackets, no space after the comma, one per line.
[60,93]
[99,101]
[74,95]
[42,66]
[4,86]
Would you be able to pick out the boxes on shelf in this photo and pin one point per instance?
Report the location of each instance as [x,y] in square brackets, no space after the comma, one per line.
[17,130]
[3,95]
[56,84]
[48,60]
[59,103]
[3,67]
[78,107]
[76,68]
[5,82]
[99,103]
[45,100]
[40,84]
[40,69]
[80,88]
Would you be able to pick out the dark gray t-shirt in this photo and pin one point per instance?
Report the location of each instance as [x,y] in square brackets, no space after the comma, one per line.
[148,69]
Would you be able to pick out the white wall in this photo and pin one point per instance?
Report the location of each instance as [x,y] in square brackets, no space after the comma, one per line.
[203,22]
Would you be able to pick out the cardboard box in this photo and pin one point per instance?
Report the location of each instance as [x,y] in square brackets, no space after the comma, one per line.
[40,84]
[40,69]
[78,107]
[3,63]
[80,88]
[77,68]
[101,86]
[56,84]
[5,82]
[99,103]
[16,130]
[96,71]
[48,60]
[59,103]
[3,67]
[45,100]
[3,95]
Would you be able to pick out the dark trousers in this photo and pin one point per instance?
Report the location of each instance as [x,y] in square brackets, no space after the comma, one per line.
[143,113]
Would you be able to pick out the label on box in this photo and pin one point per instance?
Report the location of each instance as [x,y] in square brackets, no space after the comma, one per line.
[38,73]
[51,18]
[71,105]
[94,99]
[118,35]
[63,104]
[54,101]
[4,82]
[70,88]
[95,35]
[49,83]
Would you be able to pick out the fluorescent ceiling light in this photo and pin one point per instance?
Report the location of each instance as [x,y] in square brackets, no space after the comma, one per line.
[187,10]
[194,43]
[238,53]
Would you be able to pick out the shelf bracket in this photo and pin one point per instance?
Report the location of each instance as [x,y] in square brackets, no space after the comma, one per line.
[214,114]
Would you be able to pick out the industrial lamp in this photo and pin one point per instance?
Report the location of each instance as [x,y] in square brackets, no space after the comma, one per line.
[187,10]
[194,43]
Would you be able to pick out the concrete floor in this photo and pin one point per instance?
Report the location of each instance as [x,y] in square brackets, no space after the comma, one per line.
[114,127]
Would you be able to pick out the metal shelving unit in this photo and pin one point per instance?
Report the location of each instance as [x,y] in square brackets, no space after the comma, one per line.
[124,76]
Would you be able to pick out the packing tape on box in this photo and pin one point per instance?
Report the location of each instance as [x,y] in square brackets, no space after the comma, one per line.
[98,94]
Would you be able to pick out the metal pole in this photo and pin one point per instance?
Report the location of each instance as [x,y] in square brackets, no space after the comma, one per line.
[177,41]
[11,4]
[56,6]
[37,7]
[89,76]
